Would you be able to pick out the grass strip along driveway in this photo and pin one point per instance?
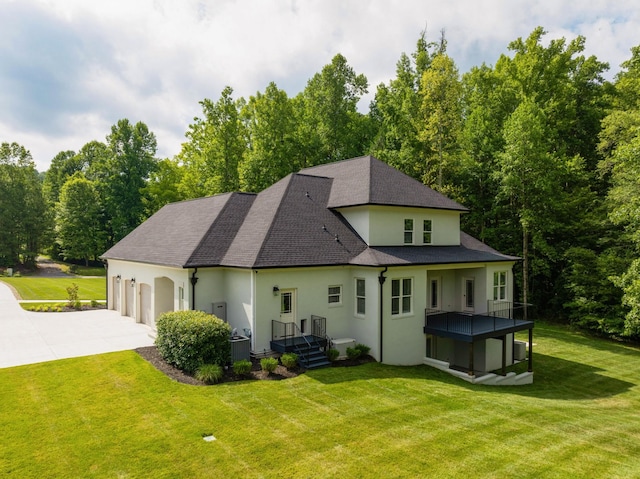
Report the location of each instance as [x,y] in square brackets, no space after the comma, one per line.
[115,415]
[55,289]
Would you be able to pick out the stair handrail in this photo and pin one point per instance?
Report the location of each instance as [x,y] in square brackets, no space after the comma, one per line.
[319,329]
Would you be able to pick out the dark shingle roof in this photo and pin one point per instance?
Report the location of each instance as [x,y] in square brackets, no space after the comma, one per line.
[185,233]
[470,251]
[289,224]
[369,181]
[294,223]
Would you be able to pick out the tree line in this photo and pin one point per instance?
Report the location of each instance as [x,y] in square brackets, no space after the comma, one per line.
[542,149]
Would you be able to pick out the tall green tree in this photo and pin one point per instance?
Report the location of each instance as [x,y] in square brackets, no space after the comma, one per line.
[272,147]
[441,122]
[79,229]
[395,111]
[527,175]
[62,167]
[124,174]
[215,147]
[330,128]
[163,186]
[23,220]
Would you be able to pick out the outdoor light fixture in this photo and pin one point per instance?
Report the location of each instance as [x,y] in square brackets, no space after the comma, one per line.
[118,278]
[133,282]
[276,290]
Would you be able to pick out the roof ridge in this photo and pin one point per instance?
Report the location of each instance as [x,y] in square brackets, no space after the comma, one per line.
[263,241]
[213,223]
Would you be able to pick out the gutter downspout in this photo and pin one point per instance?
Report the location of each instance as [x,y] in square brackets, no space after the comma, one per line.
[194,280]
[105,263]
[381,280]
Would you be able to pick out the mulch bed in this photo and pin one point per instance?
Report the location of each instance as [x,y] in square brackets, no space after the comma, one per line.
[151,354]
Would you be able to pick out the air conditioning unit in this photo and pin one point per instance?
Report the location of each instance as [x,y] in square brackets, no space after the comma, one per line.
[519,350]
[342,344]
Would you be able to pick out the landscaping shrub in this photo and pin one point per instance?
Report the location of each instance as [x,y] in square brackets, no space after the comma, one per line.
[333,354]
[209,373]
[289,360]
[188,339]
[353,353]
[269,364]
[73,299]
[363,348]
[242,367]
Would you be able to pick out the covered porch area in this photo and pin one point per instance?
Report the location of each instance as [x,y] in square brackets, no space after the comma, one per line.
[471,346]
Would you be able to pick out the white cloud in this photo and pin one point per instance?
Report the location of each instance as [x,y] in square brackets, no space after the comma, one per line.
[72,68]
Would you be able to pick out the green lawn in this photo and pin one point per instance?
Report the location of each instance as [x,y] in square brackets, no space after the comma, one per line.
[114,415]
[38,288]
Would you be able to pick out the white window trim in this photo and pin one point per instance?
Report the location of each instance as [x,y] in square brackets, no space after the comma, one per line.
[401,313]
[497,286]
[358,314]
[339,295]
[412,230]
[425,231]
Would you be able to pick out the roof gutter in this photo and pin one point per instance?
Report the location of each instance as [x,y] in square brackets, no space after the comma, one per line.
[381,279]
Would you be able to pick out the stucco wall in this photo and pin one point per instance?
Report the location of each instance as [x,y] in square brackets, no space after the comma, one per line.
[144,274]
[384,225]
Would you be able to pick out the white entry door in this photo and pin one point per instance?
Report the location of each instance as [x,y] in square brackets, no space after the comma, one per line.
[288,305]
[468,294]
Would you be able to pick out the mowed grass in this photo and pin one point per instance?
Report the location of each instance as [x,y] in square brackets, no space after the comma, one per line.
[115,415]
[38,288]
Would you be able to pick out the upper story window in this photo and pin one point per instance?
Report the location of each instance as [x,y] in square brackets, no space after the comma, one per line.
[408,231]
[426,231]
[500,286]
[360,297]
[401,294]
[335,295]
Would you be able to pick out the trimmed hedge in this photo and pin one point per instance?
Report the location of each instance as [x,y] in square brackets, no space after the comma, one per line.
[188,339]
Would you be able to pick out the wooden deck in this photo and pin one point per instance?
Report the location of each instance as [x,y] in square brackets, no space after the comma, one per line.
[472,327]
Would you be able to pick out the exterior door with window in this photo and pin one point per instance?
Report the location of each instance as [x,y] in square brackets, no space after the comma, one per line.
[468,294]
[434,294]
[288,305]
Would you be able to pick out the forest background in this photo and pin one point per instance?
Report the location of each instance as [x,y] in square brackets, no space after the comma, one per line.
[543,151]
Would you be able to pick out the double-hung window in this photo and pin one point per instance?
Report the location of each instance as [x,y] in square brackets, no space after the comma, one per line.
[426,231]
[408,231]
[360,297]
[335,295]
[500,286]
[401,296]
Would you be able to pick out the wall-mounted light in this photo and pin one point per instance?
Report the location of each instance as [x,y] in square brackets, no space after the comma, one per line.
[133,282]
[276,290]
[118,278]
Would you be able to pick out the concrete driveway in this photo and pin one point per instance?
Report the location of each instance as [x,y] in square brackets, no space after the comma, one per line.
[27,338]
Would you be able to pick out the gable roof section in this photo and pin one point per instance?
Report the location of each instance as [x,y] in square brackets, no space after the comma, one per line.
[289,225]
[183,234]
[368,181]
[470,250]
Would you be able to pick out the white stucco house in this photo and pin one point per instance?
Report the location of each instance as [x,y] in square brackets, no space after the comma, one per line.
[347,250]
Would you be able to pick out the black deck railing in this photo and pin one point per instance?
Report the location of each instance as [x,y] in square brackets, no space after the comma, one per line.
[286,333]
[502,315]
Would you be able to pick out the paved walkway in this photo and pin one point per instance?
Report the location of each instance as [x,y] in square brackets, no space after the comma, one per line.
[27,338]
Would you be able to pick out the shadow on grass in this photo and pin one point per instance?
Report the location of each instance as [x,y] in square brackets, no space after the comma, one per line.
[554,378]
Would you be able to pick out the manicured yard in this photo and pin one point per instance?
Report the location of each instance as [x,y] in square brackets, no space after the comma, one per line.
[114,415]
[35,287]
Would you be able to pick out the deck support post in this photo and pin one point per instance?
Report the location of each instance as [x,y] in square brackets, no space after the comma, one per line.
[530,369]
[471,358]
[504,355]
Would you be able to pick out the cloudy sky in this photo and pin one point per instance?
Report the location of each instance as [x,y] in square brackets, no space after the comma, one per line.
[69,69]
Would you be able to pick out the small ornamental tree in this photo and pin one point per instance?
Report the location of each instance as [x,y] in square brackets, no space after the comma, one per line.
[189,339]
